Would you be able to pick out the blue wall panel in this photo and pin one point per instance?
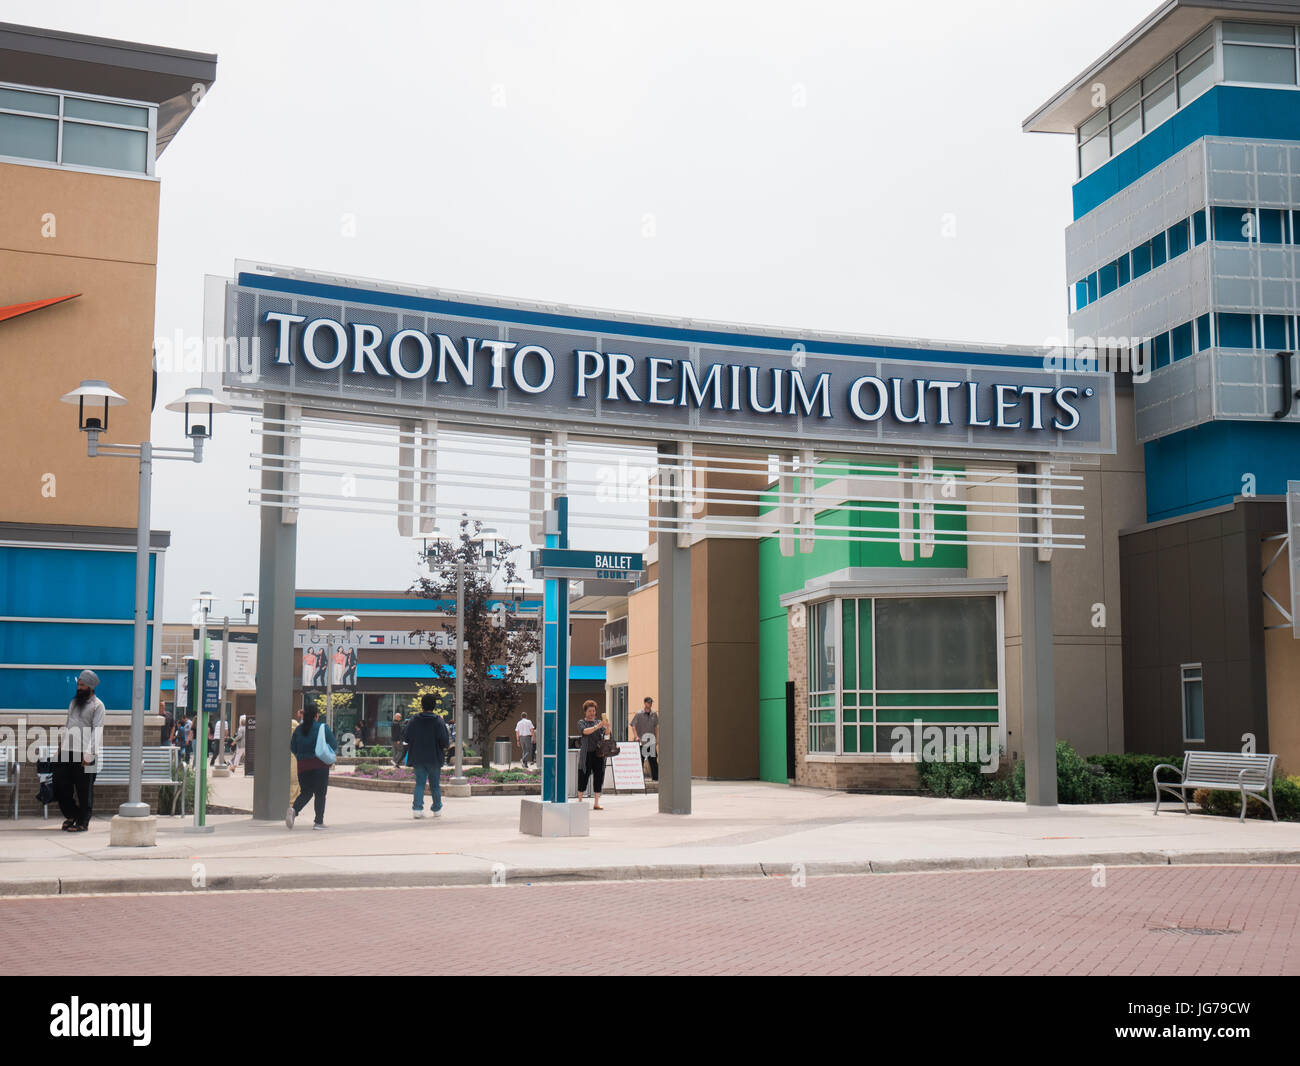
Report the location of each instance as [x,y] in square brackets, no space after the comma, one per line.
[1205,466]
[1224,111]
[70,642]
[52,690]
[70,583]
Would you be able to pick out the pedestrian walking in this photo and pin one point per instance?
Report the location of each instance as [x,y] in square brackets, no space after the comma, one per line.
[168,726]
[591,764]
[397,730]
[241,738]
[427,738]
[645,730]
[526,738]
[313,773]
[78,762]
[216,754]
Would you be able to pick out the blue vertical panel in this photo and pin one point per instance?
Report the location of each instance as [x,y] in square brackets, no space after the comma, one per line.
[555,672]
[1179,239]
[1181,341]
[1198,227]
[1202,333]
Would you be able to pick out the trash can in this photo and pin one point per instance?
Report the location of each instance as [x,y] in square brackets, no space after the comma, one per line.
[501,751]
[571,780]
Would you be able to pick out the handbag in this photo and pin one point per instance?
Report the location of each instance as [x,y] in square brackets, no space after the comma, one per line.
[607,749]
[323,750]
[45,794]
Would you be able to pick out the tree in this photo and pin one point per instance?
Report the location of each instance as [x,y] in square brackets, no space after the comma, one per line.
[497,658]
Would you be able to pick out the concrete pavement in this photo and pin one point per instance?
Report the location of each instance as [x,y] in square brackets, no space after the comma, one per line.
[738,829]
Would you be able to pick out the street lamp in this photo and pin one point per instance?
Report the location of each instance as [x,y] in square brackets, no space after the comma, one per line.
[133,824]
[204,604]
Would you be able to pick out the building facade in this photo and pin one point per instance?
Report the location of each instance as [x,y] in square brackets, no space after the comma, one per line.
[82,123]
[1185,250]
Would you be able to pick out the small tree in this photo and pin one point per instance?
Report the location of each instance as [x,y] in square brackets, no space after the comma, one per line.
[497,657]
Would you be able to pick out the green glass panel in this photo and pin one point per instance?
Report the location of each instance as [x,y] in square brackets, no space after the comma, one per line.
[851,739]
[865,664]
[850,699]
[850,714]
[957,716]
[849,613]
[824,716]
[937,699]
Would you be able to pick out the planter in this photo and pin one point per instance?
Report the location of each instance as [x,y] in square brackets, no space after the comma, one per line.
[405,787]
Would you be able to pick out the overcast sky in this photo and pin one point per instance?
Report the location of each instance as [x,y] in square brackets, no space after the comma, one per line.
[792,164]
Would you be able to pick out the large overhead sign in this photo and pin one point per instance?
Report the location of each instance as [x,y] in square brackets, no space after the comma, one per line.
[360,347]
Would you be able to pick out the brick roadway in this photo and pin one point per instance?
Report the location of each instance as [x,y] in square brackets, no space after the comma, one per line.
[1050,921]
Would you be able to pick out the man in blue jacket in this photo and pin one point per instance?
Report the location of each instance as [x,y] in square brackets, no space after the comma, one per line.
[426,740]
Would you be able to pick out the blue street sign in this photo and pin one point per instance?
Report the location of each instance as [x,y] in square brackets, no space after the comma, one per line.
[572,563]
[212,686]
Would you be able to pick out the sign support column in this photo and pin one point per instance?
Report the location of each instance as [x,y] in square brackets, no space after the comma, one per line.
[1037,670]
[674,642]
[279,560]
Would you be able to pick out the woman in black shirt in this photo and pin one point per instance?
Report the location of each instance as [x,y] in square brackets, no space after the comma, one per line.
[591,764]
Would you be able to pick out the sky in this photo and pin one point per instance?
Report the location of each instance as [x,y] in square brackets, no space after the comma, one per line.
[851,167]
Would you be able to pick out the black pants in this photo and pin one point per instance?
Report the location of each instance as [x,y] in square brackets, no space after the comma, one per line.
[74,789]
[313,783]
[592,767]
[654,768]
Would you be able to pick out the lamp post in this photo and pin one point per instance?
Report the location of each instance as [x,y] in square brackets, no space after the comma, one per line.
[134,825]
[348,620]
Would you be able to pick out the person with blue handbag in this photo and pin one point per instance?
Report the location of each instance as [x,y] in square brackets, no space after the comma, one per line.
[315,748]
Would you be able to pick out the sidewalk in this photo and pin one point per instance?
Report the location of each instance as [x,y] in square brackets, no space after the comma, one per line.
[740,829]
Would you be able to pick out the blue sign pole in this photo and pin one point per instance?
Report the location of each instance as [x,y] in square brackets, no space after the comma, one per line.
[555,670]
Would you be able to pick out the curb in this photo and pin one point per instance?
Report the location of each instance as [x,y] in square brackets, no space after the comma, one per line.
[17,888]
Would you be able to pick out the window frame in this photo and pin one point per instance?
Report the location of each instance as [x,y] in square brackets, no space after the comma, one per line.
[1183,680]
[150,129]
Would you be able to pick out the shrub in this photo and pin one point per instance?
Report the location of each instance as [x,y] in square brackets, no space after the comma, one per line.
[1134,770]
[1286,798]
[1077,780]
[960,778]
[375,752]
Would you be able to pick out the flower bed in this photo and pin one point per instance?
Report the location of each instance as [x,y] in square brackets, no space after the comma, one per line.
[475,775]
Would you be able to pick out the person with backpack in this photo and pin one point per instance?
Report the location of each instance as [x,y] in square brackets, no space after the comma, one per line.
[427,738]
[315,748]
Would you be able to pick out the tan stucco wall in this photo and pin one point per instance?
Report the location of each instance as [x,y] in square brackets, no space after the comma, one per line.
[104,246]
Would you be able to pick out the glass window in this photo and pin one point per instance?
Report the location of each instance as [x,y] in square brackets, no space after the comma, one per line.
[821,678]
[1202,333]
[1295,227]
[1094,125]
[1275,332]
[1122,264]
[1157,250]
[104,146]
[1159,105]
[1195,47]
[850,613]
[99,111]
[1193,703]
[1080,295]
[1126,130]
[1160,345]
[1142,259]
[29,138]
[1178,238]
[1195,78]
[1235,331]
[1093,153]
[1198,228]
[936,643]
[1107,279]
[37,103]
[1261,66]
[1233,224]
[1256,33]
[1092,287]
[1123,102]
[1159,77]
[1181,341]
[1271,226]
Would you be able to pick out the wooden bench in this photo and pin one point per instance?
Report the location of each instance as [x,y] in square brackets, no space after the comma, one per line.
[9,773]
[1251,775]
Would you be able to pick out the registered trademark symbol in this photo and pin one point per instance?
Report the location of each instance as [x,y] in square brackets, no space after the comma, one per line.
[1087,392]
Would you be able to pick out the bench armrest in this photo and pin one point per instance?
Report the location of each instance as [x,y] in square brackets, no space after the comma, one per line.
[1155,774]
